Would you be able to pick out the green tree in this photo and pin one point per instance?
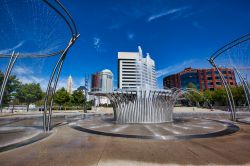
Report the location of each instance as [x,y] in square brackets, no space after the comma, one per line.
[78,98]
[61,97]
[11,87]
[191,86]
[41,101]
[238,95]
[193,95]
[29,93]
[209,97]
[89,104]
[220,96]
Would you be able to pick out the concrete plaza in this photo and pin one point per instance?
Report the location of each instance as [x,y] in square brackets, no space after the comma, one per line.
[67,146]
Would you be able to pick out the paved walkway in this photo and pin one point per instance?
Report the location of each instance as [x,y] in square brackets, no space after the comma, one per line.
[67,146]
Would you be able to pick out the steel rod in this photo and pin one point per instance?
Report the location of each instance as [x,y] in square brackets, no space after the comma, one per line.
[6,76]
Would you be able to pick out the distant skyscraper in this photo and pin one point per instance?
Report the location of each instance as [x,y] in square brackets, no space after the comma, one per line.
[136,72]
[107,80]
[96,82]
[70,85]
[102,81]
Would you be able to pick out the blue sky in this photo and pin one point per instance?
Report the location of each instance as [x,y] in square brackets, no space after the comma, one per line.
[176,33]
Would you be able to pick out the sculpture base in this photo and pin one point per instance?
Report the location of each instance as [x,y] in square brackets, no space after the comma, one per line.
[146,106]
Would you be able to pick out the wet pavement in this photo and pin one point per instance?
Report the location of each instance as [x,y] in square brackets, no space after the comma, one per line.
[184,128]
[67,146]
[18,131]
[12,135]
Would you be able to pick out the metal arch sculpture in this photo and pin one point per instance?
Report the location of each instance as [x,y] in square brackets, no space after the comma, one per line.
[58,67]
[61,12]
[219,53]
[144,106]
[10,66]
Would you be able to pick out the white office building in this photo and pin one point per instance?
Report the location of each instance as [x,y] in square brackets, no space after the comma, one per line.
[70,85]
[136,72]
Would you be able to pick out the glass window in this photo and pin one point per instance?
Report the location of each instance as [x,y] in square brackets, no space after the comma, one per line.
[210,83]
[218,83]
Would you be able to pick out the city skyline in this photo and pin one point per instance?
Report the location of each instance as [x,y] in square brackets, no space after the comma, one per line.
[161,27]
[142,82]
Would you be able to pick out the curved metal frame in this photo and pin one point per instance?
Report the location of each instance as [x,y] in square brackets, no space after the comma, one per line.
[65,15]
[212,59]
[10,66]
[245,86]
[58,67]
[32,55]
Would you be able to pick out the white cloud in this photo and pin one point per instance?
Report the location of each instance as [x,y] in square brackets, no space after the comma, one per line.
[27,79]
[197,25]
[114,26]
[97,42]
[194,63]
[9,50]
[19,70]
[173,69]
[166,13]
[131,36]
[26,75]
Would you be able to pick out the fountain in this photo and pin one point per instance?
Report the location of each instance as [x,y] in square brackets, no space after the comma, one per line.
[148,114]
[145,106]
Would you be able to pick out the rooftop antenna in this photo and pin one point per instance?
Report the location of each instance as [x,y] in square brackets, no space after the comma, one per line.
[86,84]
[140,51]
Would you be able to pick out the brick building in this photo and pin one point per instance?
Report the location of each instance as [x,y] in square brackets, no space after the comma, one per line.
[204,79]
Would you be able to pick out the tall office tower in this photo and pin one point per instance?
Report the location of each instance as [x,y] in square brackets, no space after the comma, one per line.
[70,85]
[136,72]
[107,80]
[96,82]
[102,81]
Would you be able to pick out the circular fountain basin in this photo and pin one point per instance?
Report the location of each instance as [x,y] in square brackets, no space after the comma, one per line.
[14,137]
[185,128]
[245,120]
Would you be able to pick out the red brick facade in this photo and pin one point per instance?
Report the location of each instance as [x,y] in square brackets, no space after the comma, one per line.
[204,79]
